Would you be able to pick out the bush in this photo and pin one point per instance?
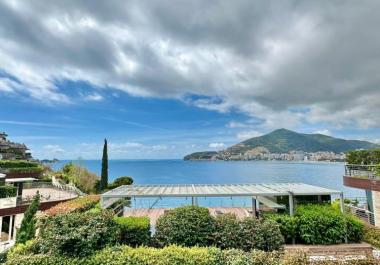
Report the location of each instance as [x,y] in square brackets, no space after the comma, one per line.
[371,235]
[135,231]
[185,226]
[6,164]
[7,191]
[77,234]
[363,157]
[321,225]
[260,234]
[120,181]
[288,225]
[180,256]
[80,176]
[227,232]
[80,204]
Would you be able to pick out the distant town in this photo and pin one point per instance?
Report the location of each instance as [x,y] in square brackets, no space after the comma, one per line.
[290,156]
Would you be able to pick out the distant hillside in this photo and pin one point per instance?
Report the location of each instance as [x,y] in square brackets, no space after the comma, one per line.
[284,141]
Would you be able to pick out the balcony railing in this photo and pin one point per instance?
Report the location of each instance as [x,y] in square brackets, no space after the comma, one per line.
[361,171]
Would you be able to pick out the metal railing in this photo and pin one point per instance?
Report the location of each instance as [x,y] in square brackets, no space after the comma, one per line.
[361,171]
[362,214]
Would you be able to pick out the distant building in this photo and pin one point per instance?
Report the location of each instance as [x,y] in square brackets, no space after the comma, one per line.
[13,151]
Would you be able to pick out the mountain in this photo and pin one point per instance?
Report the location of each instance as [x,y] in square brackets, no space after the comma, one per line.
[284,141]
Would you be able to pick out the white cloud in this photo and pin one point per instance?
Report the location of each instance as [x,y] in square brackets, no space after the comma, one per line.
[325,132]
[217,145]
[287,56]
[93,97]
[52,150]
[247,134]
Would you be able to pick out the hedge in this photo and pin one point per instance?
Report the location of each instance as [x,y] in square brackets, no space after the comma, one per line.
[7,191]
[135,231]
[80,204]
[17,164]
[319,224]
[77,234]
[175,255]
[185,226]
[372,235]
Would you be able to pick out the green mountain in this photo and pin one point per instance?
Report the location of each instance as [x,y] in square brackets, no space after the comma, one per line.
[284,141]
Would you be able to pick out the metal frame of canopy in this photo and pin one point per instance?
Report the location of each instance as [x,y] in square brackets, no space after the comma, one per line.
[258,192]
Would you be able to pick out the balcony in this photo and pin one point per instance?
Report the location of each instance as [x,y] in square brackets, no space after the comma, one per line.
[361,177]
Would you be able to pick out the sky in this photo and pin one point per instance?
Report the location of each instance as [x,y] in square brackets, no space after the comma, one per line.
[161,79]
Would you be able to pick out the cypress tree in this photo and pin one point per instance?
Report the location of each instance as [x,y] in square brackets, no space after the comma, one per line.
[27,229]
[104,176]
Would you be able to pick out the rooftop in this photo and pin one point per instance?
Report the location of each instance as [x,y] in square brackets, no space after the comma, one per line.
[217,190]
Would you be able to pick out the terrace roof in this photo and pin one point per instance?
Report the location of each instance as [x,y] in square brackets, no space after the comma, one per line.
[217,190]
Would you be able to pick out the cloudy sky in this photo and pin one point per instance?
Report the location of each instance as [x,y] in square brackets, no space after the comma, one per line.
[161,79]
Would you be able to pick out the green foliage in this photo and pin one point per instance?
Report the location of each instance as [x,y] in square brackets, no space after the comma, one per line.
[104,176]
[80,204]
[227,232]
[17,164]
[27,229]
[7,191]
[372,235]
[363,157]
[192,225]
[121,181]
[288,225]
[185,226]
[77,234]
[79,176]
[261,234]
[135,231]
[319,224]
[175,255]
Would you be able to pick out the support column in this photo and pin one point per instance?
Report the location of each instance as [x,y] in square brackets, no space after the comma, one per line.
[10,228]
[341,199]
[291,204]
[254,207]
[192,201]
[1,226]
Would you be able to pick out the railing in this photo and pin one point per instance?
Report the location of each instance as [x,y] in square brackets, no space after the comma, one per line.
[362,214]
[69,187]
[361,171]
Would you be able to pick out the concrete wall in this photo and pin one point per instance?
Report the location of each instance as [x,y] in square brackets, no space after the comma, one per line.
[376,206]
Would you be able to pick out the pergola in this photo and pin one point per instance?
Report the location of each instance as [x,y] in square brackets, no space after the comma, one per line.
[263,193]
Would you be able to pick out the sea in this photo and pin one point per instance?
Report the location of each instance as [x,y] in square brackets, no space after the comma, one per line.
[323,174]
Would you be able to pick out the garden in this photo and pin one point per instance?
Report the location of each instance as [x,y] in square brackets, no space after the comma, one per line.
[80,232]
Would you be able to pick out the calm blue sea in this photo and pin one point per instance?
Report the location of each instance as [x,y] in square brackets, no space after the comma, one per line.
[329,175]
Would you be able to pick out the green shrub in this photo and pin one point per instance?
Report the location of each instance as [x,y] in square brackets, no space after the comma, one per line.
[80,204]
[288,225]
[321,225]
[227,232]
[355,229]
[371,235]
[6,164]
[365,157]
[120,181]
[7,191]
[27,229]
[260,234]
[135,231]
[77,234]
[185,226]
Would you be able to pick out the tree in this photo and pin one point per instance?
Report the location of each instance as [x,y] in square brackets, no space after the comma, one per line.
[104,176]
[27,229]
[125,180]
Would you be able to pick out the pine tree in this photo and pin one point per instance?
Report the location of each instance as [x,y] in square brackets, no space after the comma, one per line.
[27,229]
[104,176]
